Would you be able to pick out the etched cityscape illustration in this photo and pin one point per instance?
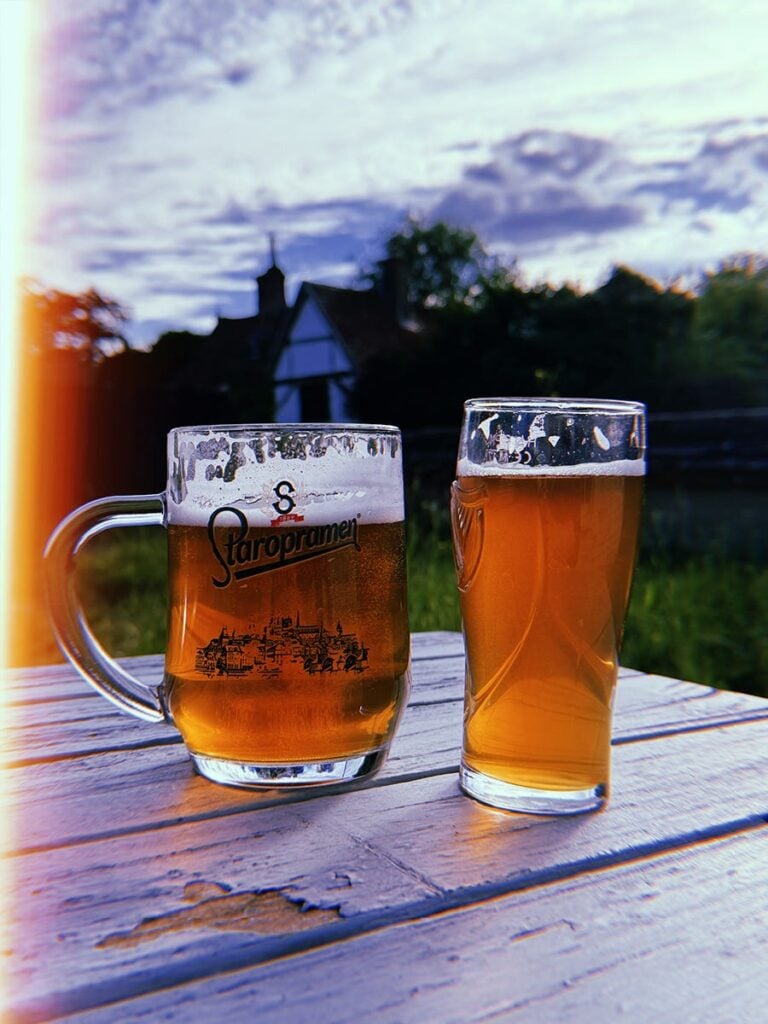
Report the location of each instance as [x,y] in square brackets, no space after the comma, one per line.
[283,640]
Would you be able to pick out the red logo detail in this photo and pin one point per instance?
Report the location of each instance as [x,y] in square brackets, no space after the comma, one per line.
[289,517]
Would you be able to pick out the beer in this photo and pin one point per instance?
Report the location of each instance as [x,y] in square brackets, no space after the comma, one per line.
[288,647]
[287,643]
[545,560]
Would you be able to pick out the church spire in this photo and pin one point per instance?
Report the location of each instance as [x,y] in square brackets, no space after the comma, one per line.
[271,286]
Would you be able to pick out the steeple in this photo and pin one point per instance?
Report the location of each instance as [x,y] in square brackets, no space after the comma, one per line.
[271,286]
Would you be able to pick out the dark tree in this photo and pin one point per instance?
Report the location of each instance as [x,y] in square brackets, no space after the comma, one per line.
[729,332]
[626,339]
[88,323]
[443,265]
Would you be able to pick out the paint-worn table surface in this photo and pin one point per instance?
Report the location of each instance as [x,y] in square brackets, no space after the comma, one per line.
[135,890]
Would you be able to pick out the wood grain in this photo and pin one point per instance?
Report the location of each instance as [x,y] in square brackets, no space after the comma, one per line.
[135,886]
[116,774]
[627,944]
[376,857]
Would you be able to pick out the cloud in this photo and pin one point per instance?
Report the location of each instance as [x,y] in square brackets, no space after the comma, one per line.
[179,133]
[547,186]
[105,57]
[111,260]
[541,185]
[727,172]
[232,212]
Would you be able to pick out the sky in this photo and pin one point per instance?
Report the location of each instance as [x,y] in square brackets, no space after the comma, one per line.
[170,137]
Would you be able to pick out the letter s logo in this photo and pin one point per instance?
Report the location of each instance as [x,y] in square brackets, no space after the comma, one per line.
[285,503]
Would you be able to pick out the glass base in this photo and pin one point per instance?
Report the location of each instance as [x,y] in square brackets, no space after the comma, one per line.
[508,797]
[273,776]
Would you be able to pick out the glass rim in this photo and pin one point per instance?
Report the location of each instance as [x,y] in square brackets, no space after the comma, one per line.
[564,405]
[288,428]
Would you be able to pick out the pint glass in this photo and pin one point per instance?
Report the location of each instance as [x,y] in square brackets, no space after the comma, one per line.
[545,513]
[288,645]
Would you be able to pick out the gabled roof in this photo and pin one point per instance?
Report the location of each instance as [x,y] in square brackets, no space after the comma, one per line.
[364,323]
[235,345]
[234,328]
[361,320]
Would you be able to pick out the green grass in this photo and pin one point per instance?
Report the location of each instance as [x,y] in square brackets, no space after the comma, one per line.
[123,582]
[432,598]
[696,613]
[703,619]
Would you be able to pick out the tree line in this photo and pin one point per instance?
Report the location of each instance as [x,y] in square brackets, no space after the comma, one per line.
[94,412]
[102,408]
[486,331]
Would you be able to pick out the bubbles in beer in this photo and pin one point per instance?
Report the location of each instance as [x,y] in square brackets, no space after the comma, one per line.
[288,635]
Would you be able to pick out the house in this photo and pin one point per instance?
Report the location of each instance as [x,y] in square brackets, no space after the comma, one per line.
[315,349]
[227,373]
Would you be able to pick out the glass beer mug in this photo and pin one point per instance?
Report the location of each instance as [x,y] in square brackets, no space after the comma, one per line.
[545,512]
[288,644]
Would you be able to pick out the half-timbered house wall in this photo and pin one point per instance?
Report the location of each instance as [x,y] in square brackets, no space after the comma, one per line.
[314,374]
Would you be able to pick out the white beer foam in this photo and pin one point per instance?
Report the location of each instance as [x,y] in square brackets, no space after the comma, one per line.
[334,487]
[621,467]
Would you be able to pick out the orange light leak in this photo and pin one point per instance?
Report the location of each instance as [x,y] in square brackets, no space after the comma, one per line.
[17,34]
[33,474]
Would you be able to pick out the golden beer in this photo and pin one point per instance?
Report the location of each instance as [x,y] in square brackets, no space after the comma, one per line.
[545,512]
[287,644]
[548,564]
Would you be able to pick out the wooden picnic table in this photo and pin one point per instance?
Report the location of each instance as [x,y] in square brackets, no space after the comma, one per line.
[138,891]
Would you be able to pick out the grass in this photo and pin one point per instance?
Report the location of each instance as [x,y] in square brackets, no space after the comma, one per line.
[702,620]
[699,603]
[123,582]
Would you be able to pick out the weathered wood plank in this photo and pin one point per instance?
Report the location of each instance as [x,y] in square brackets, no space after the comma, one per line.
[391,853]
[62,681]
[136,783]
[80,726]
[651,705]
[131,788]
[678,939]
[134,790]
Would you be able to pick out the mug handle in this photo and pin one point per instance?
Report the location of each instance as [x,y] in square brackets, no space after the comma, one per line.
[67,617]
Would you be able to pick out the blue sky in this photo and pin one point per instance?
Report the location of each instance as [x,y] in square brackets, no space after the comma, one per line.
[570,134]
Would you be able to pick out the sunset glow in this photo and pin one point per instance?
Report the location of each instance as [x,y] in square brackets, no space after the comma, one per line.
[569,137]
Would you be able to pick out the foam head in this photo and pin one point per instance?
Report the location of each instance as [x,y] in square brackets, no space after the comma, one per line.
[552,437]
[288,473]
